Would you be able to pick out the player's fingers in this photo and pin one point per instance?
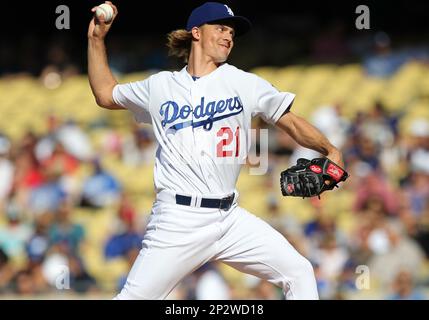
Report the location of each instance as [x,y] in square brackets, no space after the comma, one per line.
[94,9]
[115,9]
[109,3]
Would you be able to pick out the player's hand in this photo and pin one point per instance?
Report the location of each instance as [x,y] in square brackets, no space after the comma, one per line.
[336,157]
[98,28]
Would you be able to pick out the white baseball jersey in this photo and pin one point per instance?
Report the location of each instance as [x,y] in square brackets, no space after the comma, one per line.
[201,126]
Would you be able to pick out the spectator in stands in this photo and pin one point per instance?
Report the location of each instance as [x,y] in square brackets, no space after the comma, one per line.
[281,221]
[31,279]
[374,193]
[416,192]
[321,225]
[347,279]
[129,256]
[45,145]
[101,188]
[63,230]
[379,126]
[75,140]
[331,259]
[383,61]
[60,161]
[138,148]
[49,196]
[392,248]
[28,176]
[417,227]
[368,137]
[7,272]
[331,123]
[126,211]
[23,283]
[38,244]
[111,143]
[326,287]
[62,167]
[208,284]
[6,170]
[365,150]
[15,233]
[80,279]
[403,287]
[120,243]
[211,285]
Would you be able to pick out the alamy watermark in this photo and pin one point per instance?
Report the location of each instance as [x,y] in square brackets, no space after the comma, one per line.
[363,20]
[363,281]
[231,146]
[62,278]
[63,20]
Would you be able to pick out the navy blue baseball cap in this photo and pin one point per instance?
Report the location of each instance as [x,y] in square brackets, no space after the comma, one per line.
[215,11]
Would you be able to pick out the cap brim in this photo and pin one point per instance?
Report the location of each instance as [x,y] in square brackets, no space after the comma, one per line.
[241,24]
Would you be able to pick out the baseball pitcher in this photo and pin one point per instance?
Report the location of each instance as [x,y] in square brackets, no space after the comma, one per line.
[199,115]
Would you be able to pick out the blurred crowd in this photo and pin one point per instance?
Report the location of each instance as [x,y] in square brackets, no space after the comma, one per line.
[42,184]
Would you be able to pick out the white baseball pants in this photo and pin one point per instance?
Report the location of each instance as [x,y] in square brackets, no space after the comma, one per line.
[179,239]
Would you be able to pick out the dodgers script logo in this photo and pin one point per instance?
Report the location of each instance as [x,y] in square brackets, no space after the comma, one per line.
[214,111]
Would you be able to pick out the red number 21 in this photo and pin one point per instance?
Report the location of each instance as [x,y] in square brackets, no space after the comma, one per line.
[227,141]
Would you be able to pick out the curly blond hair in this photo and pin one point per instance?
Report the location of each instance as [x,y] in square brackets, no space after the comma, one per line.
[179,44]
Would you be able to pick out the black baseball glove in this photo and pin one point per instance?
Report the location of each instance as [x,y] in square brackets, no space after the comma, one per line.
[309,178]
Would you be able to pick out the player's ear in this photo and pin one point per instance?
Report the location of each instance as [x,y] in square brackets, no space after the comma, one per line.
[196,33]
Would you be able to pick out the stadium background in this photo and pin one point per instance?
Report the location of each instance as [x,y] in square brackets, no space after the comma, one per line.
[76,180]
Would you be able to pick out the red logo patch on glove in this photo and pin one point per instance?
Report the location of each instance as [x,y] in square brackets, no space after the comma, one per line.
[290,188]
[315,169]
[335,172]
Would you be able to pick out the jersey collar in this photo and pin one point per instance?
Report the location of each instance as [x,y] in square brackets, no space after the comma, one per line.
[184,74]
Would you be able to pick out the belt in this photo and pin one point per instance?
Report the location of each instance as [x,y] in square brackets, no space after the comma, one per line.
[224,203]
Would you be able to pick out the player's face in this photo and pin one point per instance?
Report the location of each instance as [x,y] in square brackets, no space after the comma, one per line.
[217,41]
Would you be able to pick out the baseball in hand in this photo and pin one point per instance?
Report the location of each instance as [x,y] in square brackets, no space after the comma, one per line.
[105,10]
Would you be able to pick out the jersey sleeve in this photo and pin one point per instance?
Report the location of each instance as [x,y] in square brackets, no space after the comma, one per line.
[270,103]
[134,96]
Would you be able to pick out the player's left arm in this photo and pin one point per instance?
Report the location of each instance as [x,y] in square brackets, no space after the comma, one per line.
[309,136]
